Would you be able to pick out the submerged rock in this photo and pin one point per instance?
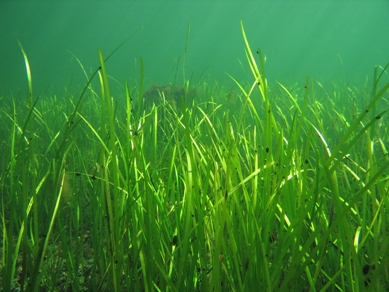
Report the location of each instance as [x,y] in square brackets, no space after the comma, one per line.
[172,94]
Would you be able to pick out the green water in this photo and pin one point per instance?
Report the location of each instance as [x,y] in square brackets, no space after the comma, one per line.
[327,40]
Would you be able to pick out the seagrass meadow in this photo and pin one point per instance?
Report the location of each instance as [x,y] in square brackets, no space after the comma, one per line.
[273,187]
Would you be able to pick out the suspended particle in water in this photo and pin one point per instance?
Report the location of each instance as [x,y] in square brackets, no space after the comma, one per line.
[366,269]
[175,240]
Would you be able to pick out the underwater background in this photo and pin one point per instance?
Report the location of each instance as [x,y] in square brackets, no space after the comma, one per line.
[194,146]
[327,40]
